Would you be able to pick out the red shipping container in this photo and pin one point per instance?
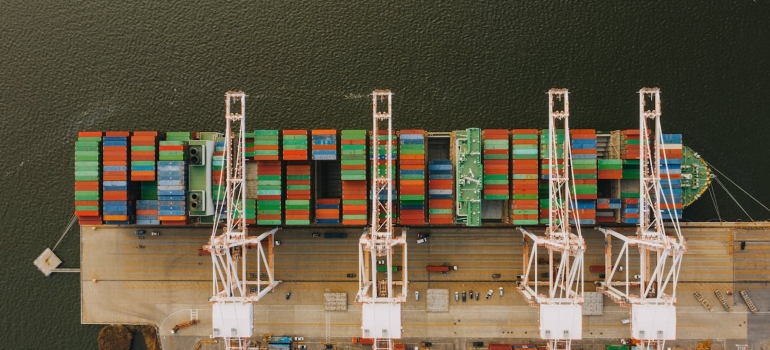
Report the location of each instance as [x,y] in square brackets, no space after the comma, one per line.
[90,134]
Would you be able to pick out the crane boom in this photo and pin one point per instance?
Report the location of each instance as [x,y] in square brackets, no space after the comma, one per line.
[381,309]
[653,311]
[561,308]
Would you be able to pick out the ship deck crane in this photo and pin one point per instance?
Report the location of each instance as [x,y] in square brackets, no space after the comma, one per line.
[381,303]
[653,311]
[234,291]
[561,306]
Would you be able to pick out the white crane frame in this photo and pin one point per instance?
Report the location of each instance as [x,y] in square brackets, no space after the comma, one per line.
[653,312]
[561,308]
[233,291]
[381,314]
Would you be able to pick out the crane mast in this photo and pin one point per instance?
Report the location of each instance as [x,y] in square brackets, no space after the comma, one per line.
[561,306]
[653,311]
[234,291]
[381,304]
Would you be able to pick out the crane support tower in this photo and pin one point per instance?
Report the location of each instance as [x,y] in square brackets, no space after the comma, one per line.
[377,291]
[651,296]
[234,291]
[561,306]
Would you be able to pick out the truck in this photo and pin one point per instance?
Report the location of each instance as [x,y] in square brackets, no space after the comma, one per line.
[443,268]
[596,268]
[381,268]
[335,235]
[363,341]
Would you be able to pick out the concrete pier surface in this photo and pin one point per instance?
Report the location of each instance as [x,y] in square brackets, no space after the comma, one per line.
[160,279]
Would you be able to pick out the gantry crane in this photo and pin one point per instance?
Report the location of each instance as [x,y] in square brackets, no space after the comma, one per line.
[381,305]
[653,312]
[234,291]
[561,307]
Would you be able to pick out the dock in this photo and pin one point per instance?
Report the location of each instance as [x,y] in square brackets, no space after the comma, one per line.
[161,280]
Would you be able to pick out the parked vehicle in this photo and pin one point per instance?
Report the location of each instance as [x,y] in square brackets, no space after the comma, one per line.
[596,268]
[288,295]
[363,341]
[444,268]
[155,233]
[489,294]
[140,232]
[382,268]
[457,296]
[464,296]
[335,235]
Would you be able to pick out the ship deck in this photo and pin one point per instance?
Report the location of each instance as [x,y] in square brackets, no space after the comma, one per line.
[163,281]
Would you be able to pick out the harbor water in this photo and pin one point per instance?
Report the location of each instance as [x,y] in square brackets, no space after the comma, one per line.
[165,65]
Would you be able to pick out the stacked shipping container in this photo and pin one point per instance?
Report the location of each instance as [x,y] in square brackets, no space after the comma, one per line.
[143,155]
[610,169]
[147,212]
[295,145]
[605,209]
[440,187]
[327,211]
[298,193]
[251,192]
[524,154]
[163,202]
[116,208]
[269,192]
[412,177]
[143,158]
[496,172]
[382,151]
[324,144]
[172,175]
[584,168]
[88,175]
[266,145]
[629,195]
[545,165]
[354,179]
[671,176]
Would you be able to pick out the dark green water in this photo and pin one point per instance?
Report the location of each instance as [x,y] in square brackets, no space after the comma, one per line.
[83,65]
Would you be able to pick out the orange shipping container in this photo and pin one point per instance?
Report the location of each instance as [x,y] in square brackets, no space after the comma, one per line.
[117,133]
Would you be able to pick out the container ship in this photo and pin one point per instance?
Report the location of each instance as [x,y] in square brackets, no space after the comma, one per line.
[446,184]
[471,177]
